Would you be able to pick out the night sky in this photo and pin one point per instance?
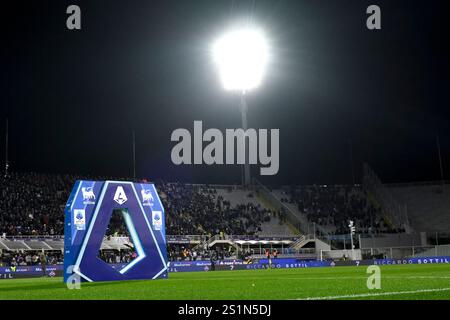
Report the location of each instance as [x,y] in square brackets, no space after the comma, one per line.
[73,98]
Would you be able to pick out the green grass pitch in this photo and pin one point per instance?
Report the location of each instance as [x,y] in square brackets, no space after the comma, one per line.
[397,282]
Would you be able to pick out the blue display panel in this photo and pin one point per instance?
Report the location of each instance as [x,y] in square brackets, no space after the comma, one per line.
[87,215]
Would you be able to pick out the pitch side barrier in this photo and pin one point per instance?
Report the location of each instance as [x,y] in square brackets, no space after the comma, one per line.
[16,272]
[281,263]
[205,266]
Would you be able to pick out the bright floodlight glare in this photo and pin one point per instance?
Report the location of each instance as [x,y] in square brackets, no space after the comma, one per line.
[241,57]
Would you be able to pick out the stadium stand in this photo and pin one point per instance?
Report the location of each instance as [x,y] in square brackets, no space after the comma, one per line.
[211,210]
[227,221]
[273,224]
[331,207]
[394,212]
[33,204]
[428,205]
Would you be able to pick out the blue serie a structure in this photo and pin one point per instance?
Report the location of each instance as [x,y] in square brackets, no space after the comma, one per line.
[87,215]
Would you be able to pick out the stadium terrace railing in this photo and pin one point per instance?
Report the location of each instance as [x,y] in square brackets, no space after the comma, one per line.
[260,237]
[207,243]
[396,212]
[212,186]
[418,183]
[306,254]
[194,239]
[293,217]
[171,239]
[34,237]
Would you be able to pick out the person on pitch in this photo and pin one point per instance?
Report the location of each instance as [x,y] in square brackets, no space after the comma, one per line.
[268,258]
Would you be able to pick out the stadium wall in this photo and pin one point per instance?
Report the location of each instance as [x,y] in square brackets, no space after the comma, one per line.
[340,254]
[393,240]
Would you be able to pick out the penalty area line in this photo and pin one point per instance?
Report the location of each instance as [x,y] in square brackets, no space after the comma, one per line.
[363,295]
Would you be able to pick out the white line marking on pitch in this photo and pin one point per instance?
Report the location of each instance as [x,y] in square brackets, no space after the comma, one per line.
[376,294]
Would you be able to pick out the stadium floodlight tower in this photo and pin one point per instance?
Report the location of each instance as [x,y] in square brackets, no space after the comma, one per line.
[241,56]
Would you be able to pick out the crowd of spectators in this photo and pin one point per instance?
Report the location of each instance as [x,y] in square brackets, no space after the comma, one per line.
[30,258]
[33,204]
[335,206]
[116,256]
[198,210]
[182,252]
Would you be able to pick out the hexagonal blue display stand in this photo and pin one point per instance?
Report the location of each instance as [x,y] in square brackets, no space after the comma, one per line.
[87,215]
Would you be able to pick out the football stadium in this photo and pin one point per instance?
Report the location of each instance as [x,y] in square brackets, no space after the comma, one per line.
[227,150]
[296,236]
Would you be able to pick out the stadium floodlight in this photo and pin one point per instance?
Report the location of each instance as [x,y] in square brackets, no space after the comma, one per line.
[241,56]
